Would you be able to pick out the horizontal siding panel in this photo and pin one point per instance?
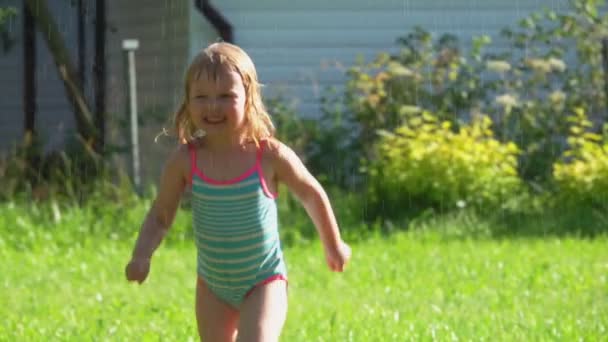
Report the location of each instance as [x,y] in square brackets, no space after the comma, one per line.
[11,116]
[7,61]
[152,62]
[302,48]
[158,52]
[308,110]
[11,92]
[304,56]
[349,19]
[361,38]
[5,109]
[297,92]
[51,95]
[367,5]
[150,34]
[127,9]
[150,17]
[164,27]
[330,57]
[51,107]
[9,138]
[286,74]
[46,122]
[9,78]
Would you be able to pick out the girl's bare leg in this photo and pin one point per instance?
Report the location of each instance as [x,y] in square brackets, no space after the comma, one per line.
[263,313]
[217,321]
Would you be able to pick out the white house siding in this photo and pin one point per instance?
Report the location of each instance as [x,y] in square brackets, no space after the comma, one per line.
[301,47]
[54,116]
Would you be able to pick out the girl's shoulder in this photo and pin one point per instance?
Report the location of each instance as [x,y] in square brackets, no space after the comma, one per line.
[181,153]
[286,165]
[276,152]
[179,160]
[272,148]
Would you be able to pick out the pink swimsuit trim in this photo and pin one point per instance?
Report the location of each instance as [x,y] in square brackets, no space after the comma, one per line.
[266,281]
[194,170]
[272,195]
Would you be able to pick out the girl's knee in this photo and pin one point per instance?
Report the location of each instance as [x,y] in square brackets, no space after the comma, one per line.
[263,313]
[216,320]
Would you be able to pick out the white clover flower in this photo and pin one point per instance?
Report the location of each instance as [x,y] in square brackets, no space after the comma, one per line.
[557,64]
[507,100]
[498,66]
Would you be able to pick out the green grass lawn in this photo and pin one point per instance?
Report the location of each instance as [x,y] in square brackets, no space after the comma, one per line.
[409,286]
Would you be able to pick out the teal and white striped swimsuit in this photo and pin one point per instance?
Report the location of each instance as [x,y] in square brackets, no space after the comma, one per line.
[236,232]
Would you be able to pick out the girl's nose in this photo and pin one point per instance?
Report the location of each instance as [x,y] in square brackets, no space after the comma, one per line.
[212,104]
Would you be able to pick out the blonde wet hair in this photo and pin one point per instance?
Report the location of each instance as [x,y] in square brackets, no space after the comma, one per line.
[208,62]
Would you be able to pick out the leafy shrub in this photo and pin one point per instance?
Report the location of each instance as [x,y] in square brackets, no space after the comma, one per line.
[294,131]
[582,175]
[320,142]
[425,163]
[424,74]
[552,64]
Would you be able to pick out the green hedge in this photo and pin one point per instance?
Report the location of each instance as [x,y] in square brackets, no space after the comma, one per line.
[425,163]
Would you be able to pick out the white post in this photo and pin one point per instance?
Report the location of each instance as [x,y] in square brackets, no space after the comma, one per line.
[129,46]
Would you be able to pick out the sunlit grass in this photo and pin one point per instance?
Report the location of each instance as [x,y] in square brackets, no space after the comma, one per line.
[449,277]
[409,286]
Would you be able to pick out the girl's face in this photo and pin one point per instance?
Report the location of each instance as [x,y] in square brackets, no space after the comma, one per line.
[218,105]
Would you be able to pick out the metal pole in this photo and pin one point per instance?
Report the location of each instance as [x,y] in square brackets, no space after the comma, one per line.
[129,46]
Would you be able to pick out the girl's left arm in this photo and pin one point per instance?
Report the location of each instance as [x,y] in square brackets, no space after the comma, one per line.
[290,170]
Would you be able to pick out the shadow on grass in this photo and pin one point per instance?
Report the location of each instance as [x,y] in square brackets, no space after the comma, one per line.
[26,225]
[526,217]
[581,222]
[584,222]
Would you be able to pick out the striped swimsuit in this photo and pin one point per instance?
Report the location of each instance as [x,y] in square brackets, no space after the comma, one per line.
[236,232]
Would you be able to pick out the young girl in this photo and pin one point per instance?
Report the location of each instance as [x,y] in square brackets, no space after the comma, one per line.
[233,166]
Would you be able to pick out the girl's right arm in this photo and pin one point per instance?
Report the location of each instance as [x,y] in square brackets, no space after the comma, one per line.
[175,177]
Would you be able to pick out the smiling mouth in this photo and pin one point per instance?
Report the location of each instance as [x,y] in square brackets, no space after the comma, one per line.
[214,122]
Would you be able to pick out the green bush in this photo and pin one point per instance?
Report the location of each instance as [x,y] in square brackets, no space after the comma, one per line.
[291,129]
[582,176]
[552,64]
[424,163]
[426,73]
[320,142]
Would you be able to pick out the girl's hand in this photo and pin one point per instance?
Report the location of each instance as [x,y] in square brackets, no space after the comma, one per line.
[338,257]
[137,270]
